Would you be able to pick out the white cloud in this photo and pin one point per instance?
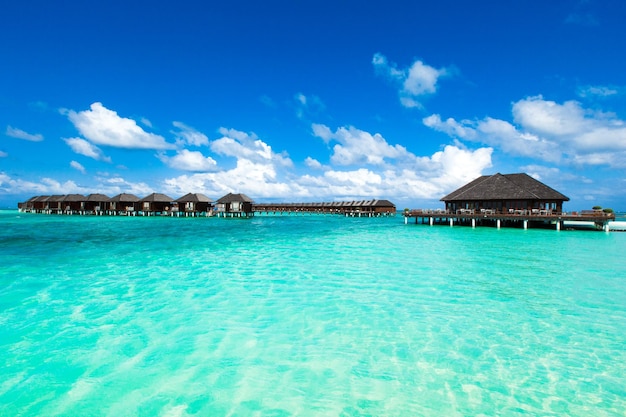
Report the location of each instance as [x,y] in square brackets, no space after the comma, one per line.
[408,177]
[78,167]
[255,179]
[189,136]
[83,147]
[45,186]
[102,126]
[414,82]
[246,146]
[20,134]
[312,163]
[116,185]
[186,160]
[571,125]
[548,131]
[322,131]
[359,147]
[3,154]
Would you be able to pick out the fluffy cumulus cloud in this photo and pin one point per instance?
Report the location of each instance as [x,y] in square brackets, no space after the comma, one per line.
[20,134]
[258,170]
[355,147]
[83,147]
[394,170]
[247,146]
[414,82]
[105,127]
[548,131]
[258,180]
[428,177]
[46,186]
[187,160]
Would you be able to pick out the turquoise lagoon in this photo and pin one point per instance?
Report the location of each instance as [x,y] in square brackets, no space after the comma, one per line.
[307,315]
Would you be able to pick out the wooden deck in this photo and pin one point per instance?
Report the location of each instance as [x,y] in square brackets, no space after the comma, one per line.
[516,218]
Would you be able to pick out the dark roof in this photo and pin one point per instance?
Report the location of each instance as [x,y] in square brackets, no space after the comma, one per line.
[158,198]
[383,203]
[194,198]
[97,197]
[124,198]
[73,197]
[232,198]
[505,187]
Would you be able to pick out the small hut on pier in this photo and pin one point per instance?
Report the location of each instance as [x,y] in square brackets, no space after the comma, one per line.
[53,204]
[122,204]
[28,205]
[95,203]
[506,194]
[156,203]
[193,204]
[235,205]
[73,203]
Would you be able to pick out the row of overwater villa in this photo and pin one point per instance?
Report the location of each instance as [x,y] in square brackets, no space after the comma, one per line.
[192,205]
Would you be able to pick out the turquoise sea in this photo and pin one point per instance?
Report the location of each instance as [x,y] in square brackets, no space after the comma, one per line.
[307,315]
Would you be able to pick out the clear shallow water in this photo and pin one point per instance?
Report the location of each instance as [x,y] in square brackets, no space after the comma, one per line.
[307,315]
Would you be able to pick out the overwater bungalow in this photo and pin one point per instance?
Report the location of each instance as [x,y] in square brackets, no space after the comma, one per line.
[73,203]
[156,203]
[194,204]
[516,200]
[235,205]
[96,203]
[507,194]
[53,204]
[28,205]
[124,204]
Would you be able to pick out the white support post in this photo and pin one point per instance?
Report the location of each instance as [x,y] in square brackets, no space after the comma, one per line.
[498,223]
[525,224]
[473,223]
[451,221]
[431,220]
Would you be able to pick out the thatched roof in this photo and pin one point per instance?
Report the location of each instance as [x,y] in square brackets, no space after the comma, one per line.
[73,198]
[234,198]
[124,198]
[194,198]
[96,198]
[382,203]
[505,187]
[157,198]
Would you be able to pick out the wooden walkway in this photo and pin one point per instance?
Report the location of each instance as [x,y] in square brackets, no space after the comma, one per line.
[517,218]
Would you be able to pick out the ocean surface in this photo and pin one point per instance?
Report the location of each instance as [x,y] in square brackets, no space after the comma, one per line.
[307,315]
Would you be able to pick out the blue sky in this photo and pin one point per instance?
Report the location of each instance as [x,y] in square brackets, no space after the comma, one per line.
[312,100]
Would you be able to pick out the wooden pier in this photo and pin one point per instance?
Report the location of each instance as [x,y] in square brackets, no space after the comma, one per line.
[195,205]
[525,219]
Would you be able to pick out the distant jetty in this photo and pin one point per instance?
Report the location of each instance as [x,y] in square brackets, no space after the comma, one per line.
[193,205]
